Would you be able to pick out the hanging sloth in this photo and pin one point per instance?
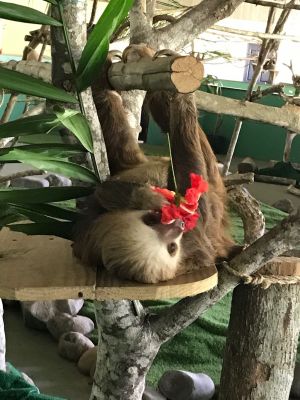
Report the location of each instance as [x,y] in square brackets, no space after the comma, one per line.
[150,222]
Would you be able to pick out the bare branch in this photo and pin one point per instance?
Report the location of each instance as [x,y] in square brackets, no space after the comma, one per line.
[274,179]
[22,174]
[266,3]
[259,35]
[33,68]
[195,21]
[93,14]
[140,26]
[266,47]
[258,94]
[238,179]
[248,209]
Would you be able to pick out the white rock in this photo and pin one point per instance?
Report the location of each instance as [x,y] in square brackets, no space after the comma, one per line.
[37,313]
[73,344]
[62,323]
[184,385]
[87,362]
[71,306]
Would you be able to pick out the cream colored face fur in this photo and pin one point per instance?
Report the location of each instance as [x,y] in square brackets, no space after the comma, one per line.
[130,248]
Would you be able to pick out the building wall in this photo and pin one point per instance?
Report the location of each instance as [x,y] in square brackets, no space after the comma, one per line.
[12,33]
[251,18]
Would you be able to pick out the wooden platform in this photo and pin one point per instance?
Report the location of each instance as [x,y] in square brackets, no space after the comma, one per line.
[43,268]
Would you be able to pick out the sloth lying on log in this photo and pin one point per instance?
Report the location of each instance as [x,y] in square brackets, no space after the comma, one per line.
[134,226]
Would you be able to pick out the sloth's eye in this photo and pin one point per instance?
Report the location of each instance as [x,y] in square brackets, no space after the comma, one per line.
[152,218]
[172,248]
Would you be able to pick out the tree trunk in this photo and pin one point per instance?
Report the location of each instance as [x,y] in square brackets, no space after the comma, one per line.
[262,343]
[2,340]
[74,13]
[126,350]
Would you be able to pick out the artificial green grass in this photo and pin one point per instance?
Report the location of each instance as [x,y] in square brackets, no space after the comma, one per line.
[199,347]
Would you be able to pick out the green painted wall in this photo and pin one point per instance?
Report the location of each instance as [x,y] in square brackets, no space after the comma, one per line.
[257,140]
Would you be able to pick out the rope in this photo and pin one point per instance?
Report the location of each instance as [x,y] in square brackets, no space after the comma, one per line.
[265,281]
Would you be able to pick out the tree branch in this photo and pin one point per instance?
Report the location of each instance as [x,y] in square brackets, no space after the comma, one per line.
[259,35]
[195,21]
[22,174]
[238,179]
[249,210]
[258,94]
[140,26]
[285,236]
[283,116]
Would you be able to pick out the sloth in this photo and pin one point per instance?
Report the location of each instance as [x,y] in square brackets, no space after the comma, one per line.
[122,229]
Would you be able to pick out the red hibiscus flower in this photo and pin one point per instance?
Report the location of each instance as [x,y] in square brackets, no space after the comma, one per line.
[186,210]
[168,194]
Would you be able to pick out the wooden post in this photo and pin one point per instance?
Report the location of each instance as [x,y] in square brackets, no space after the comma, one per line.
[262,338]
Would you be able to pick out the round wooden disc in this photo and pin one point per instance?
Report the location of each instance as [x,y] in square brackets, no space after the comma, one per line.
[43,268]
[109,287]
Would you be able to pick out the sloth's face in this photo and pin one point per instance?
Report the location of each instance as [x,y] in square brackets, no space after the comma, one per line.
[135,245]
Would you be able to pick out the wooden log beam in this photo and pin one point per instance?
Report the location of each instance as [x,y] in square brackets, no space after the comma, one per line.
[175,73]
[274,179]
[283,116]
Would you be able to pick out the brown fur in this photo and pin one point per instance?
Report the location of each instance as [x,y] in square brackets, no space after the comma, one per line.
[117,233]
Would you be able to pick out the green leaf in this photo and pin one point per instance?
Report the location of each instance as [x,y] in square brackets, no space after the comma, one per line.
[43,195]
[95,51]
[65,168]
[31,215]
[37,124]
[57,228]
[7,216]
[15,12]
[40,161]
[78,125]
[10,219]
[52,210]
[39,151]
[22,83]
[40,212]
